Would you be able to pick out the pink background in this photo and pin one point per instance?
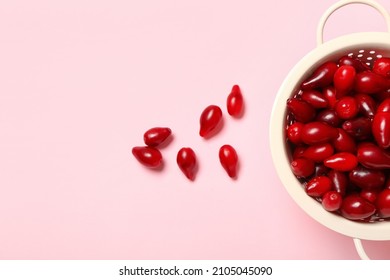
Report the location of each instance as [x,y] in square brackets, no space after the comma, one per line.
[82,80]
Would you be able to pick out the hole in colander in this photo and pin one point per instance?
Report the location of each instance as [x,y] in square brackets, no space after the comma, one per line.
[372,52]
[361,51]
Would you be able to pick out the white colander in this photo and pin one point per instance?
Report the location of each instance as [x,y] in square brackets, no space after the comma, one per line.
[367,46]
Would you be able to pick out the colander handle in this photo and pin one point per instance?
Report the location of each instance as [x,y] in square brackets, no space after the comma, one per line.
[360,249]
[342,3]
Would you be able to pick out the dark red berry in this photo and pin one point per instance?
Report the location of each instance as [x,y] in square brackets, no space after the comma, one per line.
[229,159]
[186,160]
[209,120]
[156,135]
[148,156]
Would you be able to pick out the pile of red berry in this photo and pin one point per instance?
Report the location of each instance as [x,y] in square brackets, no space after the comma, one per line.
[338,129]
[210,119]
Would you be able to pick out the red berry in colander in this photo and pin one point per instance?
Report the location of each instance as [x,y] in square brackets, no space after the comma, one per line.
[346,107]
[372,156]
[355,207]
[370,82]
[318,132]
[315,98]
[382,66]
[383,203]
[381,128]
[367,178]
[384,106]
[344,79]
[342,161]
[318,152]
[294,133]
[344,142]
[321,77]
[339,181]
[331,201]
[301,110]
[302,167]
[318,186]
[328,116]
[355,63]
[338,133]
[359,128]
[330,95]
[366,105]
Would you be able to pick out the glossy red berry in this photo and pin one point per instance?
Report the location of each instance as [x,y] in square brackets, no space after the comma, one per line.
[294,133]
[321,77]
[235,102]
[354,62]
[156,135]
[330,95]
[346,107]
[209,120]
[328,116]
[339,180]
[370,82]
[315,98]
[229,159]
[366,178]
[331,201]
[359,128]
[383,203]
[372,156]
[148,156]
[384,106]
[381,129]
[318,152]
[186,160]
[355,207]
[344,79]
[302,167]
[342,161]
[344,142]
[370,195]
[381,66]
[318,186]
[366,104]
[318,132]
[301,110]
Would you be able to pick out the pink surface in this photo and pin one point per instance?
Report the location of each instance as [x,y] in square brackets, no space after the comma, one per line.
[82,80]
